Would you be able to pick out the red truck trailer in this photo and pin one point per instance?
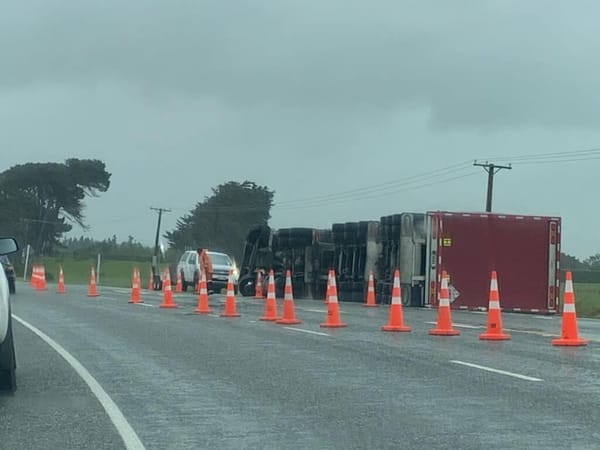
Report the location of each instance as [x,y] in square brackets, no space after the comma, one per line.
[523,250]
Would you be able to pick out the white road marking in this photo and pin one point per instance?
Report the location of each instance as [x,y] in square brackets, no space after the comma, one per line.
[491,369]
[145,304]
[318,333]
[127,433]
[461,325]
[314,310]
[214,315]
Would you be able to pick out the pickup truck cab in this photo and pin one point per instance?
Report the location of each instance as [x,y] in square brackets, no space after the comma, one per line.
[189,269]
[7,349]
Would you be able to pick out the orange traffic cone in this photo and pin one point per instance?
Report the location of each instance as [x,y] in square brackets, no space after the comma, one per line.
[178,285]
[444,320]
[270,313]
[92,290]
[42,277]
[202,307]
[258,292]
[167,293]
[396,317]
[333,309]
[569,335]
[60,288]
[371,292]
[494,321]
[34,277]
[289,314]
[135,288]
[230,309]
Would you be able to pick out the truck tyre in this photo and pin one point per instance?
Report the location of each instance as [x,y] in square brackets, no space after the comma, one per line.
[8,365]
[337,230]
[405,290]
[350,230]
[362,231]
[301,237]
[246,286]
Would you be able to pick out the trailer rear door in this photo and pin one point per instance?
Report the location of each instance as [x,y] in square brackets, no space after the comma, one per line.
[522,249]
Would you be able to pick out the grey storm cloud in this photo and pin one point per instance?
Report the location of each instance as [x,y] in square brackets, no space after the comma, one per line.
[470,64]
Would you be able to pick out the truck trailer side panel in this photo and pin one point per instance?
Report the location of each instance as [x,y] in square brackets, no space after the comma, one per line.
[522,249]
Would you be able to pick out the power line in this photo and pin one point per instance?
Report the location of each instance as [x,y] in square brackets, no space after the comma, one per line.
[381,186]
[576,155]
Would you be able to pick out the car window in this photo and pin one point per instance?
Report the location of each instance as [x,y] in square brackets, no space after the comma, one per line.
[219,259]
[192,258]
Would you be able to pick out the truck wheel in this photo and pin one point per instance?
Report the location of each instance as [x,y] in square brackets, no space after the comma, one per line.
[246,286]
[8,381]
[406,294]
[12,286]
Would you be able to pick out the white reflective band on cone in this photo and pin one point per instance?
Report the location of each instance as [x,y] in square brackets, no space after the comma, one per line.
[569,286]
[494,284]
[494,304]
[569,308]
[444,302]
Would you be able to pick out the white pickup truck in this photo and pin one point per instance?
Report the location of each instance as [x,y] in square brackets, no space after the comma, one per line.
[189,268]
[7,348]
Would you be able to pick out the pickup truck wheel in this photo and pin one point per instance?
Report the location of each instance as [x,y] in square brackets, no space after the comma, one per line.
[184,284]
[196,280]
[8,363]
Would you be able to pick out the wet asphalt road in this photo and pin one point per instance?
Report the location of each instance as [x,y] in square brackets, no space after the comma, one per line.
[189,381]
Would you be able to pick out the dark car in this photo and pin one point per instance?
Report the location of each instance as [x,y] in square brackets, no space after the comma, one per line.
[9,270]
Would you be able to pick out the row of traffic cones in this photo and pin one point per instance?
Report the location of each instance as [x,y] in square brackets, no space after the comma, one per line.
[494,331]
[38,281]
[569,332]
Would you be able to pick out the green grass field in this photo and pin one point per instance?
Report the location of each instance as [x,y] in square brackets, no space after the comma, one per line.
[587,299]
[112,273]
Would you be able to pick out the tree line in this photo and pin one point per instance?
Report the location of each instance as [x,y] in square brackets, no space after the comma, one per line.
[40,203]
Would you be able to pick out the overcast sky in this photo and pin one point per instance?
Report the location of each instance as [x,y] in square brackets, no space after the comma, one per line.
[310,98]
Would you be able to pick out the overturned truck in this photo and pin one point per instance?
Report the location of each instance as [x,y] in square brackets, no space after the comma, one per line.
[524,250]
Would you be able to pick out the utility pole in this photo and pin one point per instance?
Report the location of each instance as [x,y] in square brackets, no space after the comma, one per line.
[155,274]
[491,169]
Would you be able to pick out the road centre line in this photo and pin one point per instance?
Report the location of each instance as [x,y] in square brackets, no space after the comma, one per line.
[127,433]
[322,311]
[461,325]
[491,369]
[318,333]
